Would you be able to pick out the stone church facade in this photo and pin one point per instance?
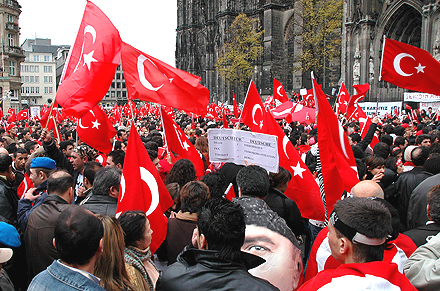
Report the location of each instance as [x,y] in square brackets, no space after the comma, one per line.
[202,26]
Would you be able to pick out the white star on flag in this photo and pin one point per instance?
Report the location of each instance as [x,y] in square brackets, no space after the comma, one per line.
[96,124]
[185,145]
[88,58]
[420,68]
[298,170]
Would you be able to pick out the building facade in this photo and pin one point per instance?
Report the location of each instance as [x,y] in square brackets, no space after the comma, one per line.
[11,55]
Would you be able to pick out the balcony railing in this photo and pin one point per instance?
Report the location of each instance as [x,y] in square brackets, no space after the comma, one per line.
[12,26]
[11,3]
[14,50]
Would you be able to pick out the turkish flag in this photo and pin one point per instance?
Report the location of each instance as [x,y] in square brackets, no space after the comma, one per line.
[225,120]
[24,185]
[364,123]
[150,79]
[278,91]
[352,104]
[11,117]
[229,193]
[339,169]
[236,109]
[96,130]
[178,143]
[91,64]
[143,189]
[23,114]
[410,67]
[343,99]
[259,120]
[407,107]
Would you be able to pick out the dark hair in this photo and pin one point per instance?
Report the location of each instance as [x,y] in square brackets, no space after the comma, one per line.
[151,145]
[174,190]
[433,200]
[152,154]
[12,147]
[399,141]
[59,182]
[222,223]
[120,131]
[216,183]
[357,152]
[65,143]
[399,131]
[158,140]
[19,151]
[388,129]
[381,149]
[5,162]
[419,155]
[361,168]
[355,137]
[133,225]
[388,139]
[118,157]
[421,137]
[373,162]
[253,181]
[77,235]
[118,145]
[283,176]
[368,217]
[390,163]
[193,195]
[30,145]
[182,172]
[90,169]
[105,178]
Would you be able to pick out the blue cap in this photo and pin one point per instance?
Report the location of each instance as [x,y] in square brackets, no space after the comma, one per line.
[9,235]
[43,162]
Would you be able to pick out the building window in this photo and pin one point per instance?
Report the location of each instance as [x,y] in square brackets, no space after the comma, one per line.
[37,69]
[31,79]
[11,39]
[32,90]
[26,79]
[48,90]
[27,90]
[37,79]
[47,58]
[22,90]
[48,69]
[47,79]
[22,79]
[12,68]
[36,58]
[10,18]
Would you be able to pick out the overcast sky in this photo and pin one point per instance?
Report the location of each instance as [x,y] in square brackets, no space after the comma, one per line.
[148,25]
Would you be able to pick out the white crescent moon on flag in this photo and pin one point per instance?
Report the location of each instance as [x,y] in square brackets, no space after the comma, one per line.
[90,29]
[278,90]
[122,188]
[285,142]
[256,106]
[141,73]
[148,178]
[93,113]
[80,124]
[342,141]
[288,110]
[396,63]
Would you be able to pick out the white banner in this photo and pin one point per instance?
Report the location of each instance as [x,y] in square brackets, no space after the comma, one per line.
[35,111]
[382,108]
[239,147]
[434,105]
[420,97]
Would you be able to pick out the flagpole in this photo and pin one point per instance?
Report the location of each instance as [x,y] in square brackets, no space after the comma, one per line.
[164,133]
[381,60]
[50,114]
[337,100]
[245,101]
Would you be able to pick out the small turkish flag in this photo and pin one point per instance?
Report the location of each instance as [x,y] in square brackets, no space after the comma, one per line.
[343,99]
[178,143]
[408,107]
[278,91]
[352,104]
[11,117]
[143,189]
[225,120]
[23,114]
[230,193]
[91,64]
[253,114]
[150,79]
[96,130]
[410,67]
[236,109]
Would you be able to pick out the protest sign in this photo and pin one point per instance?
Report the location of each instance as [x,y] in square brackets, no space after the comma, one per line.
[239,147]
[381,108]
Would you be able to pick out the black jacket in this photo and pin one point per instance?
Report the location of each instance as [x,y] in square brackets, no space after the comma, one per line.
[202,270]
[8,202]
[419,234]
[101,204]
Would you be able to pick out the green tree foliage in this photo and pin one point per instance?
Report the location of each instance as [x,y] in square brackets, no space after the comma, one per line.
[241,50]
[321,23]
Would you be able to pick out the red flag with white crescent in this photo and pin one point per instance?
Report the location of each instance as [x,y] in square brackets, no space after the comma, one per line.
[278,91]
[143,189]
[354,100]
[23,114]
[91,64]
[11,117]
[410,67]
[343,99]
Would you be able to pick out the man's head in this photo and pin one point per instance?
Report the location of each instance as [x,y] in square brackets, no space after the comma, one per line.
[107,182]
[90,169]
[12,129]
[423,140]
[253,181]
[367,188]
[381,149]
[6,167]
[116,159]
[40,169]
[66,146]
[61,183]
[433,208]
[78,236]
[358,230]
[31,146]
[419,155]
[193,196]
[20,158]
[122,135]
[80,155]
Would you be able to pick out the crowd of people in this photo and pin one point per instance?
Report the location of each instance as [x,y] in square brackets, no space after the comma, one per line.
[59,228]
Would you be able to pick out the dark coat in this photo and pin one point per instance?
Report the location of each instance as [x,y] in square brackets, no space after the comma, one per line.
[8,202]
[39,233]
[26,206]
[202,270]
[101,204]
[419,234]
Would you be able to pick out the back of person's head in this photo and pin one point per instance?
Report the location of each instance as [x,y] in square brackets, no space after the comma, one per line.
[77,234]
[133,225]
[366,223]
[355,137]
[388,139]
[222,223]
[105,178]
[253,181]
[118,157]
[432,165]
[276,179]
[433,200]
[388,129]
[182,172]
[151,145]
[216,183]
[90,169]
[193,196]
[361,168]
[357,152]
[426,129]
[59,182]
[158,140]
[419,155]
[202,144]
[5,162]
[399,141]
[174,190]
[118,145]
[399,130]
[381,149]
[28,146]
